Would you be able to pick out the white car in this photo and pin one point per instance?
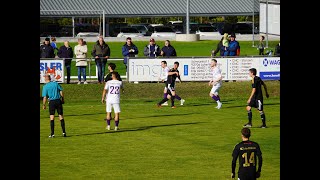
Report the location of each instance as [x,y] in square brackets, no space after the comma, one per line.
[128,32]
[207,31]
[162,31]
[88,34]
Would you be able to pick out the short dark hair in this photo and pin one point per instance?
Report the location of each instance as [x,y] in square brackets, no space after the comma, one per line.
[253,71]
[48,75]
[114,73]
[262,37]
[246,132]
[214,60]
[164,62]
[112,66]
[177,63]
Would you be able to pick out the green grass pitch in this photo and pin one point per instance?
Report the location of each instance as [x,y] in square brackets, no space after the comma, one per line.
[193,141]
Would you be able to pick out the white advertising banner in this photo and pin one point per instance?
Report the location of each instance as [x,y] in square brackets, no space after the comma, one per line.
[53,67]
[192,69]
[269,68]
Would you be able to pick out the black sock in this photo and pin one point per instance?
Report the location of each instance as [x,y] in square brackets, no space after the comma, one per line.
[263,118]
[163,100]
[172,100]
[63,125]
[52,126]
[250,116]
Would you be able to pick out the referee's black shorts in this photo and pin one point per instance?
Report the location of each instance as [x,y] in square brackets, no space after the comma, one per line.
[55,105]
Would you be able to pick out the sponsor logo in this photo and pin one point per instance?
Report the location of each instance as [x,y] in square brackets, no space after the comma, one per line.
[185,68]
[271,62]
[275,75]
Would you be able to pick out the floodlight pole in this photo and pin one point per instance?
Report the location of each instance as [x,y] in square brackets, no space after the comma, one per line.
[104,24]
[187,18]
[253,24]
[73,30]
[267,39]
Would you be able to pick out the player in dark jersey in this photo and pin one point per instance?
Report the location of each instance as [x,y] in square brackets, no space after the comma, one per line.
[173,74]
[111,68]
[247,151]
[256,98]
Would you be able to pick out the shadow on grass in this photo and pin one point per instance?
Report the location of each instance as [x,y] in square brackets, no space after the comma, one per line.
[270,104]
[159,115]
[87,114]
[136,129]
[268,126]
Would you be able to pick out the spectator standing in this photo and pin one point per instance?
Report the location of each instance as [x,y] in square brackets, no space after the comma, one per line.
[129,50]
[261,46]
[219,48]
[168,50]
[46,50]
[233,46]
[66,52]
[54,44]
[152,50]
[101,53]
[277,50]
[80,51]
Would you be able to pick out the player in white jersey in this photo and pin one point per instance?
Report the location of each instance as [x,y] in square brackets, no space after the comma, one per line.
[163,77]
[215,82]
[112,89]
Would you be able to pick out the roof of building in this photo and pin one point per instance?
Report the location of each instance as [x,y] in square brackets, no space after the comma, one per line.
[147,8]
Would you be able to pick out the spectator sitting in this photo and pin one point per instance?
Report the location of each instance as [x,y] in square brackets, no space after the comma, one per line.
[168,50]
[129,50]
[152,50]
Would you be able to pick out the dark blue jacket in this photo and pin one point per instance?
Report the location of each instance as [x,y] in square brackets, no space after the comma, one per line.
[232,49]
[168,51]
[46,51]
[66,52]
[126,53]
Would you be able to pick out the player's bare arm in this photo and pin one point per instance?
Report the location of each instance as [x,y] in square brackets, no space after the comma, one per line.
[104,92]
[265,88]
[44,101]
[62,97]
[172,73]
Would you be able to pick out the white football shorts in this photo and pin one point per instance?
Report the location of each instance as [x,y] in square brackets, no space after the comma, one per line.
[215,90]
[115,106]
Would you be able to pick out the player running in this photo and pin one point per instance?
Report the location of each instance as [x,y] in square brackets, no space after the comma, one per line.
[216,83]
[173,74]
[163,77]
